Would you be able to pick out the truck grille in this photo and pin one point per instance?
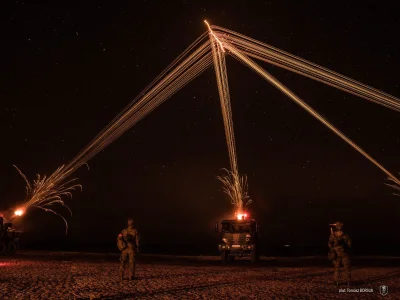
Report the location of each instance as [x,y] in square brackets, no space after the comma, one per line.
[235,238]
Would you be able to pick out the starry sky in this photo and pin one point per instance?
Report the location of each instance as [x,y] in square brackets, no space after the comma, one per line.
[68,68]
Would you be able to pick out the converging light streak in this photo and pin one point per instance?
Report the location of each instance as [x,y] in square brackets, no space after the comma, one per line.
[184,72]
[247,61]
[233,184]
[275,56]
[199,56]
[214,36]
[47,191]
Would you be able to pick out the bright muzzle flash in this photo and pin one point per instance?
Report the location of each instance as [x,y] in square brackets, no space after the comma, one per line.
[241,216]
[19,212]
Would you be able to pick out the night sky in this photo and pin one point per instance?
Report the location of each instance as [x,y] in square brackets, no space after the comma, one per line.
[67,69]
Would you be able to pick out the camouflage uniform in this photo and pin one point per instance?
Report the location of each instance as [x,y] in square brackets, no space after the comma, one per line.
[338,246]
[129,242]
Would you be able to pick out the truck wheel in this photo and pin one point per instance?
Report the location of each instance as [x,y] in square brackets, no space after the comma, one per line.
[11,248]
[254,256]
[2,248]
[224,256]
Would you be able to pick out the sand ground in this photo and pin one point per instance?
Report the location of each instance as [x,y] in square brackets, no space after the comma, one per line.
[46,275]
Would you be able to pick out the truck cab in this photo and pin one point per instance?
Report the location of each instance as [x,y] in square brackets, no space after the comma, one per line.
[239,238]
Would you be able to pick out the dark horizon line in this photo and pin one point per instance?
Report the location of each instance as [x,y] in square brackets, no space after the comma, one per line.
[211,249]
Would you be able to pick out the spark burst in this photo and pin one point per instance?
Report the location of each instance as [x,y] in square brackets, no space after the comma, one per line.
[395,185]
[235,186]
[47,191]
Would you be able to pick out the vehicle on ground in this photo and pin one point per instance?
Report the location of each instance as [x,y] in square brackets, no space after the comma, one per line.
[239,238]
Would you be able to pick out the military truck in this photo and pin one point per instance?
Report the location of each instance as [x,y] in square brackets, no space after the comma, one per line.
[9,239]
[239,238]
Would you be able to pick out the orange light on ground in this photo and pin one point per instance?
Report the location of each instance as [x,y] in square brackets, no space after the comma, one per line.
[19,212]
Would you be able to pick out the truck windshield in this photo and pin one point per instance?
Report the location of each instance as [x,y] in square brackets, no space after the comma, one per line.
[237,228]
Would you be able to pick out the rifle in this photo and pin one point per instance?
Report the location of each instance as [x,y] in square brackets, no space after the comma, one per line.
[331,253]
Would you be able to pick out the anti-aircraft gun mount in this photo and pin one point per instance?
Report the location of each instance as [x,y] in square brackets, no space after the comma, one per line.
[9,239]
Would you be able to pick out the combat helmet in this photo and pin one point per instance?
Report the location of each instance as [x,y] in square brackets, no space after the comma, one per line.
[339,225]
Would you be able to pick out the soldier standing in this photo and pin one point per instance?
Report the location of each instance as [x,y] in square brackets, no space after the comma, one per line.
[339,244]
[128,244]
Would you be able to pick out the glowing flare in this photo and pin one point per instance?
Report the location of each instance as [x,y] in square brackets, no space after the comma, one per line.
[19,212]
[241,216]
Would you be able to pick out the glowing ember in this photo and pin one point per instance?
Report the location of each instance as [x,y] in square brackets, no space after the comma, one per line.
[19,212]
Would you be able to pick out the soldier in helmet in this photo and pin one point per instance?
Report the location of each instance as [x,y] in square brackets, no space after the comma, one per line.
[339,244]
[128,243]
